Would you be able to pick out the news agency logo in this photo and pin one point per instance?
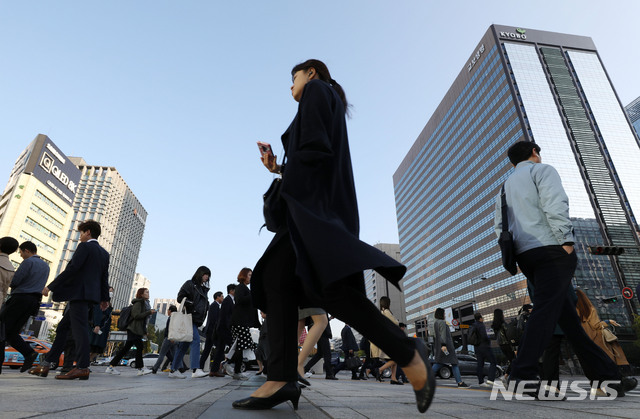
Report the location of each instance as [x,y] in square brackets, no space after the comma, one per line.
[557,390]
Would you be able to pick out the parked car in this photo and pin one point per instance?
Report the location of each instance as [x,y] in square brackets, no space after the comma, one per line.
[14,359]
[467,364]
[148,360]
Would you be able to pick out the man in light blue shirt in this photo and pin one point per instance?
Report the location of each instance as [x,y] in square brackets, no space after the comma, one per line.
[24,302]
[538,218]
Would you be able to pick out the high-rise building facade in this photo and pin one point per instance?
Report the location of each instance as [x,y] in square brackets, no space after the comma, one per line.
[162,304]
[104,196]
[518,85]
[377,286]
[36,204]
[633,112]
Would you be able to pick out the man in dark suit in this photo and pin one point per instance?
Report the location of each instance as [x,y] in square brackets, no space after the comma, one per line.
[212,319]
[83,282]
[350,349]
[223,340]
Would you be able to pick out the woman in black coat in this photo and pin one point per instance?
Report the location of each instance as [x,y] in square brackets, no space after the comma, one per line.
[244,317]
[316,258]
[197,303]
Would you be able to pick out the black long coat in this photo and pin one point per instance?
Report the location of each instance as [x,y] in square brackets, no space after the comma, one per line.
[319,192]
[244,314]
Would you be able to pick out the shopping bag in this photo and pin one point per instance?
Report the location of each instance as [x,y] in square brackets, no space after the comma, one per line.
[181,326]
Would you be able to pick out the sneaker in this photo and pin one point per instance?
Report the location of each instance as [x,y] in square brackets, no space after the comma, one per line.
[239,377]
[177,374]
[199,373]
[144,371]
[308,374]
[486,385]
[489,382]
[463,384]
[154,371]
[111,370]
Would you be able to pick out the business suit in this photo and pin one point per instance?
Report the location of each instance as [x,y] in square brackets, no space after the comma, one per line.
[212,319]
[83,282]
[223,331]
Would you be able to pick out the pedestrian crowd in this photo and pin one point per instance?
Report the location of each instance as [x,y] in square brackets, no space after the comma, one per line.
[313,270]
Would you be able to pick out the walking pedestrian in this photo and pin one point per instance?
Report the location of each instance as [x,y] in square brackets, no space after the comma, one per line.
[136,330]
[167,345]
[482,350]
[197,303]
[99,333]
[538,219]
[315,258]
[320,321]
[443,347]
[8,245]
[376,352]
[223,336]
[24,302]
[350,349]
[262,352]
[244,317]
[83,282]
[324,353]
[210,330]
[500,329]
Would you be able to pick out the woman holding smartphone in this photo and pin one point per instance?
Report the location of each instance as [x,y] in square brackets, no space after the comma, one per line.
[316,258]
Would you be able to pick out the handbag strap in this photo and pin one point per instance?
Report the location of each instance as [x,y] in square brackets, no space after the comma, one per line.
[505,219]
[181,307]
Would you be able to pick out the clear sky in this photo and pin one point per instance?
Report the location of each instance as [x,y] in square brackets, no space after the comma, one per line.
[175,94]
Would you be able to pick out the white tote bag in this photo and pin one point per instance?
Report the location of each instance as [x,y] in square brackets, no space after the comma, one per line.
[181,326]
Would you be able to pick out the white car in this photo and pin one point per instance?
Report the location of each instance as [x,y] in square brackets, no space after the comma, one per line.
[148,360]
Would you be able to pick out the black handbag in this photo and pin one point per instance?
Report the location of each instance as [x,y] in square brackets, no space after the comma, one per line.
[507,246]
[352,363]
[274,208]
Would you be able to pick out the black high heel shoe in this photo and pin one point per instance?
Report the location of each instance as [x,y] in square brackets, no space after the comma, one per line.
[303,380]
[424,396]
[288,392]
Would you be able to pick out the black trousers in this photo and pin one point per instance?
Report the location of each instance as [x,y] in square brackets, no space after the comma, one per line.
[132,339]
[484,353]
[282,290]
[324,352]
[218,355]
[208,345]
[507,350]
[550,270]
[76,318]
[17,310]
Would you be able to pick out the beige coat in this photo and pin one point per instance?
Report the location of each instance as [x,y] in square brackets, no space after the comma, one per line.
[593,327]
[375,351]
[6,274]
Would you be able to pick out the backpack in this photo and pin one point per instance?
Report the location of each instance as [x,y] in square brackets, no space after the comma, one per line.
[125,318]
[514,331]
[473,338]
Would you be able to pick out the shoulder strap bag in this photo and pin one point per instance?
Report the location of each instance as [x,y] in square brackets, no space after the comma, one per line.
[274,208]
[507,246]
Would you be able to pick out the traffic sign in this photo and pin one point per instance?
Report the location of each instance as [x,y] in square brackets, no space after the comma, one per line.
[455,322]
[627,293]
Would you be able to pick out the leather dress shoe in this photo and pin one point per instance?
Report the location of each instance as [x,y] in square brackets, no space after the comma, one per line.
[628,383]
[28,361]
[330,377]
[216,374]
[288,392]
[80,373]
[40,371]
[424,396]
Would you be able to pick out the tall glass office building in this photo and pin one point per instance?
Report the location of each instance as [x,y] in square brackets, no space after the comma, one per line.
[518,85]
[633,112]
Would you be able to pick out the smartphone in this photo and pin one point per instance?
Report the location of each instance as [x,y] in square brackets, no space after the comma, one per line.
[265,148]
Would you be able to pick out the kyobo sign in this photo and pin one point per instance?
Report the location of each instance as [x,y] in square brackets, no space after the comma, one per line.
[518,34]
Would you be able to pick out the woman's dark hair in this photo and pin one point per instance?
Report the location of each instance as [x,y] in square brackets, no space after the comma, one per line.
[498,320]
[243,275]
[521,151]
[8,245]
[324,75]
[140,293]
[202,271]
[385,302]
[583,305]
[439,314]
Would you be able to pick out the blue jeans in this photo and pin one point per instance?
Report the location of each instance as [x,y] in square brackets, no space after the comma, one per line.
[454,368]
[182,349]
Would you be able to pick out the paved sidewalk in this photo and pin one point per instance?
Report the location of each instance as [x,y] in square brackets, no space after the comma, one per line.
[22,395]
